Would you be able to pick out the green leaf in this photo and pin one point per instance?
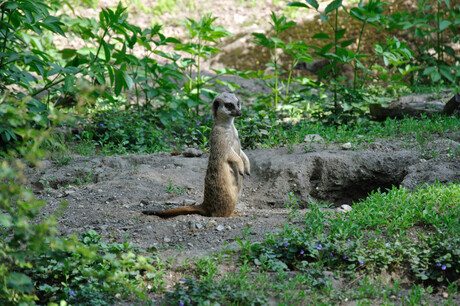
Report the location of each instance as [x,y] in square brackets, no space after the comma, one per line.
[446,72]
[435,76]
[313,3]
[339,34]
[53,24]
[333,6]
[429,70]
[172,40]
[19,282]
[321,36]
[5,220]
[346,43]
[119,82]
[298,4]
[444,24]
[128,81]
[106,51]
[68,53]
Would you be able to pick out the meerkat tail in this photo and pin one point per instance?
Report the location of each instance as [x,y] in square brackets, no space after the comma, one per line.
[185,210]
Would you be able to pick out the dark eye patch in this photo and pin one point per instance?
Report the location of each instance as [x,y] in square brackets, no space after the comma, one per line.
[229,106]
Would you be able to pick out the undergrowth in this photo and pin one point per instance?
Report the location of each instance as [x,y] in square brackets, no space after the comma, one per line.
[411,235]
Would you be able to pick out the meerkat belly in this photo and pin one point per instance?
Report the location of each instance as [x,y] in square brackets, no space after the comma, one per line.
[221,190]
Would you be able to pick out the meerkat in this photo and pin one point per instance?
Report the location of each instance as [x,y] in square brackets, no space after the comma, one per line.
[226,165]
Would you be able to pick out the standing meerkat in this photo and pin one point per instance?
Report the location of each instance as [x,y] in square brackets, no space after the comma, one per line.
[226,166]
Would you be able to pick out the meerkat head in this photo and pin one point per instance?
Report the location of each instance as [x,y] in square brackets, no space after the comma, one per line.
[226,105]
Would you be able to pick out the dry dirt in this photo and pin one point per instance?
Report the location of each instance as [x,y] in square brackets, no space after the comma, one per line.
[108,193]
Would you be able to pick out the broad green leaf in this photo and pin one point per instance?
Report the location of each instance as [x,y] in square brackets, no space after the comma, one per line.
[339,34]
[446,72]
[333,6]
[346,43]
[313,3]
[435,76]
[429,70]
[444,24]
[68,53]
[321,36]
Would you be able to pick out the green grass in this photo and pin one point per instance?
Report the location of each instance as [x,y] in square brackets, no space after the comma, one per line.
[122,132]
[413,235]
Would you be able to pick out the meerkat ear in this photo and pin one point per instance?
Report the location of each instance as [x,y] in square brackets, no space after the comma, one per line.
[215,104]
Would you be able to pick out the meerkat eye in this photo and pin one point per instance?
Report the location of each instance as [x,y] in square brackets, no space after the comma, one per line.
[229,106]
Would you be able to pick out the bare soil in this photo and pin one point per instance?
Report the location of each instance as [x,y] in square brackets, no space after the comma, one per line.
[108,193]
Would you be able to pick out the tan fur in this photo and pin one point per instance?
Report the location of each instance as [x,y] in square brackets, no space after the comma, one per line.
[226,166]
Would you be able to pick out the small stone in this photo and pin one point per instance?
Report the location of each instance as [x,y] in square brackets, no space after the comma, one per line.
[189,202]
[346,207]
[192,152]
[198,226]
[211,223]
[229,228]
[445,295]
[99,190]
[69,192]
[220,228]
[190,244]
[118,296]
[346,146]
[313,138]
[166,239]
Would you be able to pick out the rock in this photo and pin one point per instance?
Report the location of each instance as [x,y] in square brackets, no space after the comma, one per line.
[452,107]
[166,239]
[346,146]
[313,138]
[412,105]
[211,224]
[192,152]
[69,192]
[189,202]
[344,208]
[220,228]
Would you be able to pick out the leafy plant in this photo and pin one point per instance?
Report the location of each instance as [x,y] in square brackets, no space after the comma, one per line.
[192,292]
[23,60]
[203,34]
[373,236]
[297,51]
[434,24]
[337,55]
[174,189]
